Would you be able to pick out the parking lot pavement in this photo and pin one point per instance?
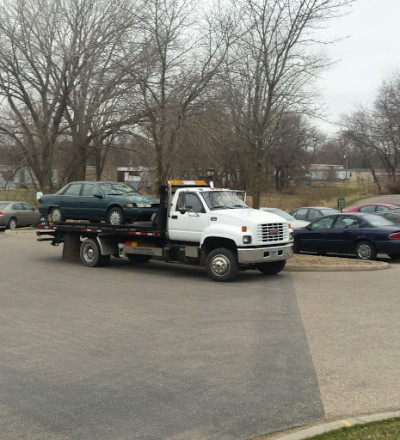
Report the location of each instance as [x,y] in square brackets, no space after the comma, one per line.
[352,325]
[162,352]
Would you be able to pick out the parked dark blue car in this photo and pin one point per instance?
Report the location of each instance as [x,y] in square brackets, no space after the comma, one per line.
[113,202]
[364,235]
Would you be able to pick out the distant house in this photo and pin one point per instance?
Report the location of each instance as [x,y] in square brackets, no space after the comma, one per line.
[14,178]
[325,172]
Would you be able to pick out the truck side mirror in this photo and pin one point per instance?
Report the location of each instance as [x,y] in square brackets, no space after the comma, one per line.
[38,195]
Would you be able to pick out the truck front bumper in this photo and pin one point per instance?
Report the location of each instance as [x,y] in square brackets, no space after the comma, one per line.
[264,254]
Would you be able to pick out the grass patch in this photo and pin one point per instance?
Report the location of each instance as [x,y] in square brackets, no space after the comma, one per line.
[388,430]
[20,195]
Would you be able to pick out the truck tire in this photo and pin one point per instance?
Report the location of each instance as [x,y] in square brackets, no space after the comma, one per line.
[115,216]
[90,254]
[271,268]
[222,265]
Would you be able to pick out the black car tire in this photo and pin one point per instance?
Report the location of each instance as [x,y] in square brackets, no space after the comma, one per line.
[272,268]
[365,250]
[222,265]
[56,215]
[90,254]
[115,216]
[394,256]
[12,224]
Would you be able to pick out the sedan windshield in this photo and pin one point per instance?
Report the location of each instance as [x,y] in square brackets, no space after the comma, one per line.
[223,200]
[116,189]
[3,204]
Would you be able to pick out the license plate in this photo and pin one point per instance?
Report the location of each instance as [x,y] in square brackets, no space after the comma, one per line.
[274,253]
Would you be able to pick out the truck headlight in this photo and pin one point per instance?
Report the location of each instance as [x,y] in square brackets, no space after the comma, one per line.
[246,239]
[291,236]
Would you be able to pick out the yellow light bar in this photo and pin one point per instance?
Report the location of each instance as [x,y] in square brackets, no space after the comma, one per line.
[187,182]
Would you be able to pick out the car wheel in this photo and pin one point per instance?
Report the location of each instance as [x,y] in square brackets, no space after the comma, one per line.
[12,224]
[222,265]
[90,254]
[394,256]
[271,268]
[56,215]
[365,251]
[115,216]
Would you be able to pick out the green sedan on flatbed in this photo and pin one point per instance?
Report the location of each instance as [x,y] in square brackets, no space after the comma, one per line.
[112,202]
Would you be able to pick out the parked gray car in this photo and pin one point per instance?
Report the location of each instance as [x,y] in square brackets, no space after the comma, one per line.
[14,214]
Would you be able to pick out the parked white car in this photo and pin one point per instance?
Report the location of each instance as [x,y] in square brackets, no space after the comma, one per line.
[294,223]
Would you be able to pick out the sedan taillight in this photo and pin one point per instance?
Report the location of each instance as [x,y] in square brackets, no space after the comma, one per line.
[1,213]
[394,235]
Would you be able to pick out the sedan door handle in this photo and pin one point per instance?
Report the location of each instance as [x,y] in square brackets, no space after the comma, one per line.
[175,217]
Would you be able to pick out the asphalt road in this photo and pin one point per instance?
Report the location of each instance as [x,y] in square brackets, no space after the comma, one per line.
[160,352]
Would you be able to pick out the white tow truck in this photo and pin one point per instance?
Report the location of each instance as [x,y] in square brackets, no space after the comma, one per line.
[196,224]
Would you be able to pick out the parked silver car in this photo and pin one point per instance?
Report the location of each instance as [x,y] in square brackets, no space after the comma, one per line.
[14,214]
[294,223]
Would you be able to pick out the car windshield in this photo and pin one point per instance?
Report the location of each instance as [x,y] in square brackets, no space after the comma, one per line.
[223,200]
[378,220]
[3,204]
[116,189]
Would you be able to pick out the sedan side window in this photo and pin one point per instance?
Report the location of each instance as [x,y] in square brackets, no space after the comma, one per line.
[323,223]
[382,208]
[367,209]
[28,207]
[90,190]
[314,214]
[17,207]
[73,190]
[300,214]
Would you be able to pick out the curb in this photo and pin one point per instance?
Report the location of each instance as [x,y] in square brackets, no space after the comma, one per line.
[337,268]
[324,428]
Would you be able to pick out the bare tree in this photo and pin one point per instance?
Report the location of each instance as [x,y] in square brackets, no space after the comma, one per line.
[180,56]
[33,81]
[272,68]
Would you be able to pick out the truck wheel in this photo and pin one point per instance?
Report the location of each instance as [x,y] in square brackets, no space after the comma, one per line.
[365,251]
[271,268]
[90,254]
[115,216]
[56,215]
[222,265]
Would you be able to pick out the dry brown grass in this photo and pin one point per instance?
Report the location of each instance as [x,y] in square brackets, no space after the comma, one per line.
[321,194]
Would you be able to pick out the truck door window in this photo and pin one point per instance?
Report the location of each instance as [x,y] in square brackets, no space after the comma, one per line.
[190,202]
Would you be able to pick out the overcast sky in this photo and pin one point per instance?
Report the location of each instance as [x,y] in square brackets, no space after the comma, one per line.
[370,54]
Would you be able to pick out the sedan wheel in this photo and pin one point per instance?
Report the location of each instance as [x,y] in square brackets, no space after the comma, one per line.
[56,215]
[12,224]
[115,216]
[365,251]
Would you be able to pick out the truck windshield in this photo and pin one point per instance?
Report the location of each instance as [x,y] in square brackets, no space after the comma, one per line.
[223,200]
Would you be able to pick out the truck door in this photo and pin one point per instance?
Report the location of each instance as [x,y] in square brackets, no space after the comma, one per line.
[189,218]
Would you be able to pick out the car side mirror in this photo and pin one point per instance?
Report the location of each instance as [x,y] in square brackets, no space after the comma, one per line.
[98,196]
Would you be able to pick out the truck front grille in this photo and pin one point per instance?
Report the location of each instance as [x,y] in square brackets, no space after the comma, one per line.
[273,232]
